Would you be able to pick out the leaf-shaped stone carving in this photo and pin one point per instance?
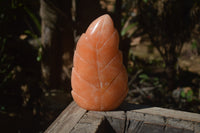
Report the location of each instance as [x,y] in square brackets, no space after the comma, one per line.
[99,79]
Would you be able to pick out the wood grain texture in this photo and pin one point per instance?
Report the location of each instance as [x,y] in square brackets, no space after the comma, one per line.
[67,119]
[170,113]
[136,119]
[93,123]
[116,119]
[174,118]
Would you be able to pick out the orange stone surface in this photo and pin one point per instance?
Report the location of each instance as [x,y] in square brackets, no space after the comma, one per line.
[99,78]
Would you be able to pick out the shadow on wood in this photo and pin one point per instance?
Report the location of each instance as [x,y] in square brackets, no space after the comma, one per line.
[128,118]
[128,106]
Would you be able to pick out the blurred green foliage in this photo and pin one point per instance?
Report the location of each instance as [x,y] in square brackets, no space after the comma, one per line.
[19,22]
[17,17]
[5,64]
[144,77]
[187,95]
[194,44]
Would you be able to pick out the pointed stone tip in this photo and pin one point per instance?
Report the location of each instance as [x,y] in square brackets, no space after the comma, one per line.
[102,19]
[104,23]
[106,17]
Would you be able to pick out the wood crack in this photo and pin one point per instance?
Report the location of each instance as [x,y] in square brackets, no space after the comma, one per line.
[75,119]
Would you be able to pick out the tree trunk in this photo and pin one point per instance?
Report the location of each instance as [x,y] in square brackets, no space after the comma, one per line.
[171,73]
[57,42]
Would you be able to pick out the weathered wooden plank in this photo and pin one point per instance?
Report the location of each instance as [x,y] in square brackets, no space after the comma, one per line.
[136,118]
[179,123]
[177,120]
[67,119]
[174,118]
[133,126]
[169,113]
[148,118]
[169,129]
[92,123]
[197,128]
[136,126]
[116,119]
[151,128]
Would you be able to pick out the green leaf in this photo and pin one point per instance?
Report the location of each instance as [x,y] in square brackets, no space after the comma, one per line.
[145,1]
[34,18]
[2,108]
[144,76]
[142,81]
[39,58]
[156,79]
[30,33]
[183,95]
[194,45]
[156,83]
[129,70]
[124,31]
[189,95]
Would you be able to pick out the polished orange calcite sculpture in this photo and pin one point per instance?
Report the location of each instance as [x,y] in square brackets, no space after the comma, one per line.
[99,79]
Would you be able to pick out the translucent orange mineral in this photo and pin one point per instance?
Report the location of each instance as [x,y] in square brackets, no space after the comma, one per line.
[99,79]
